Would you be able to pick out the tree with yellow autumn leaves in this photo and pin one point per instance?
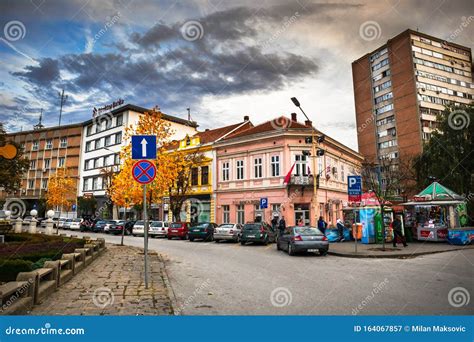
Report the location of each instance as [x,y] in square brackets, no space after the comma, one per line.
[59,186]
[124,190]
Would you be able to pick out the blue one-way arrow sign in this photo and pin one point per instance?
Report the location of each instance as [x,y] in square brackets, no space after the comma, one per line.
[143,147]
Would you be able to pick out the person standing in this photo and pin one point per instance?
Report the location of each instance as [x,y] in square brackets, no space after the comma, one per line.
[322,225]
[274,223]
[397,232]
[281,226]
[340,230]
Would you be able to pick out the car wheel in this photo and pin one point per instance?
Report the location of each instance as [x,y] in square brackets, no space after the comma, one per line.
[169,237]
[242,242]
[291,250]
[216,240]
[278,246]
[265,242]
[323,252]
[191,239]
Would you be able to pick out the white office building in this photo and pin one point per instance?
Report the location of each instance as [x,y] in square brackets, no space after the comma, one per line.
[102,141]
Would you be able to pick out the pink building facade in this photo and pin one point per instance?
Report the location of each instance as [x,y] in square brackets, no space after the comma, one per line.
[252,165]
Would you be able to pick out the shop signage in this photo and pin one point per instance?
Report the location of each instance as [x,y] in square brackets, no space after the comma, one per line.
[106,108]
[421,198]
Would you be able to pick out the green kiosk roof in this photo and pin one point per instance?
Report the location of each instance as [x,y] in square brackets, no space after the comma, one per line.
[439,192]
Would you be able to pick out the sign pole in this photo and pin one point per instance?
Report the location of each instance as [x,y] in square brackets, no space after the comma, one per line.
[145,219]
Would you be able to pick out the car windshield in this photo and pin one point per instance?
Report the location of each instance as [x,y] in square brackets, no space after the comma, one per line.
[157,224]
[139,223]
[252,226]
[227,225]
[307,231]
[100,222]
[69,220]
[201,225]
[121,222]
[77,220]
[176,225]
[111,221]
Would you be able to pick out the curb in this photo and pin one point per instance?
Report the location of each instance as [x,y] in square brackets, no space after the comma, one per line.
[393,256]
[169,288]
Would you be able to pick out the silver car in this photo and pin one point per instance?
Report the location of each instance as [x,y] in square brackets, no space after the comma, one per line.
[107,225]
[138,228]
[228,231]
[67,224]
[158,229]
[303,239]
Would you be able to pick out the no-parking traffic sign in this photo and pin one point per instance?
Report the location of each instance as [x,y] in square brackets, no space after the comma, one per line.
[144,171]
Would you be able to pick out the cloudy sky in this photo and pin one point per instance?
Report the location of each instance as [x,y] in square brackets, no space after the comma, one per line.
[223,59]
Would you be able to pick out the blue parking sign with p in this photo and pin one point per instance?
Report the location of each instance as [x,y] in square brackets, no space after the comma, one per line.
[263,203]
[143,147]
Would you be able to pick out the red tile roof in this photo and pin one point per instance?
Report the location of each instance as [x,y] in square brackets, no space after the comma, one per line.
[281,123]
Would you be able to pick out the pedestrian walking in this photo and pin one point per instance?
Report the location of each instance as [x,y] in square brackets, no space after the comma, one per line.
[397,232]
[322,225]
[340,230]
[281,226]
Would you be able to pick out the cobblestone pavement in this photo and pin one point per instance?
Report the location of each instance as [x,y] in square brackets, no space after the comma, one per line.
[113,285]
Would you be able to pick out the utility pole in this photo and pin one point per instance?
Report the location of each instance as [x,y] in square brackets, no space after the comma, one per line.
[62,102]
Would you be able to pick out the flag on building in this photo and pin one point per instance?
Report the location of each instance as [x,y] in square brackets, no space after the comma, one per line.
[288,175]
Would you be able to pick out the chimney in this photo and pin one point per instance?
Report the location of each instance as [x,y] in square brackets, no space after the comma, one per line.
[246,118]
[293,117]
[308,123]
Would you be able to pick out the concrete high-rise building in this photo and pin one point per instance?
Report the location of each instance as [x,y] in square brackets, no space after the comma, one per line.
[400,87]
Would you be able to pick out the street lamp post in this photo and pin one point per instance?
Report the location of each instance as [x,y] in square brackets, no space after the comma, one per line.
[314,145]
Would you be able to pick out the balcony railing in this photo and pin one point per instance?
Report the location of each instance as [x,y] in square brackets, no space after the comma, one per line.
[301,180]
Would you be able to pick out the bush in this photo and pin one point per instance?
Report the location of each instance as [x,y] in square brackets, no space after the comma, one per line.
[31,251]
[10,268]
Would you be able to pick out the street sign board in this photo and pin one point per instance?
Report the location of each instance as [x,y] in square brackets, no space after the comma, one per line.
[354,188]
[143,147]
[144,171]
[263,203]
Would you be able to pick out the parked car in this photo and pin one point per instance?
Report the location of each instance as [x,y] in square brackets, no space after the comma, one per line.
[260,232]
[67,224]
[138,228]
[75,224]
[55,222]
[202,231]
[87,225]
[61,221]
[303,239]
[178,229]
[99,226]
[27,220]
[228,231]
[108,223]
[158,228]
[120,225]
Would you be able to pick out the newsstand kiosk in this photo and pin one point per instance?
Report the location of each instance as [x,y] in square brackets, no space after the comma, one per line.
[438,214]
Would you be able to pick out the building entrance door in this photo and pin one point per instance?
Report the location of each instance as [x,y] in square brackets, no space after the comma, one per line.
[302,212]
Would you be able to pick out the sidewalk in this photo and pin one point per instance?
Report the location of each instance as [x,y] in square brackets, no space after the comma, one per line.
[414,249]
[113,285]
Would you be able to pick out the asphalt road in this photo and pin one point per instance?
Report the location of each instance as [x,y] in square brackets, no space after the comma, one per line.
[229,279]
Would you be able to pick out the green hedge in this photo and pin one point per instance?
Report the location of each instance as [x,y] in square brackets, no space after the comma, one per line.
[10,268]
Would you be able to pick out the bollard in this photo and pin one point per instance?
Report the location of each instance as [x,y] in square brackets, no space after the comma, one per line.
[49,223]
[18,225]
[32,229]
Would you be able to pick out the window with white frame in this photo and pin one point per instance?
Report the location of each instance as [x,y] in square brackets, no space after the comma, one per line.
[44,184]
[35,145]
[118,138]
[31,184]
[49,144]
[119,120]
[342,173]
[240,213]
[240,169]
[32,164]
[225,171]
[226,213]
[258,168]
[88,146]
[108,140]
[275,166]
[301,165]
[47,163]
[63,142]
[61,161]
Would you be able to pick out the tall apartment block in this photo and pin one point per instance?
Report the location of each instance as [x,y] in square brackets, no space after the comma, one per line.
[400,88]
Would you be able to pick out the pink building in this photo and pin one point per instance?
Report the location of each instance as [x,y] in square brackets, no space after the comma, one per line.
[252,164]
